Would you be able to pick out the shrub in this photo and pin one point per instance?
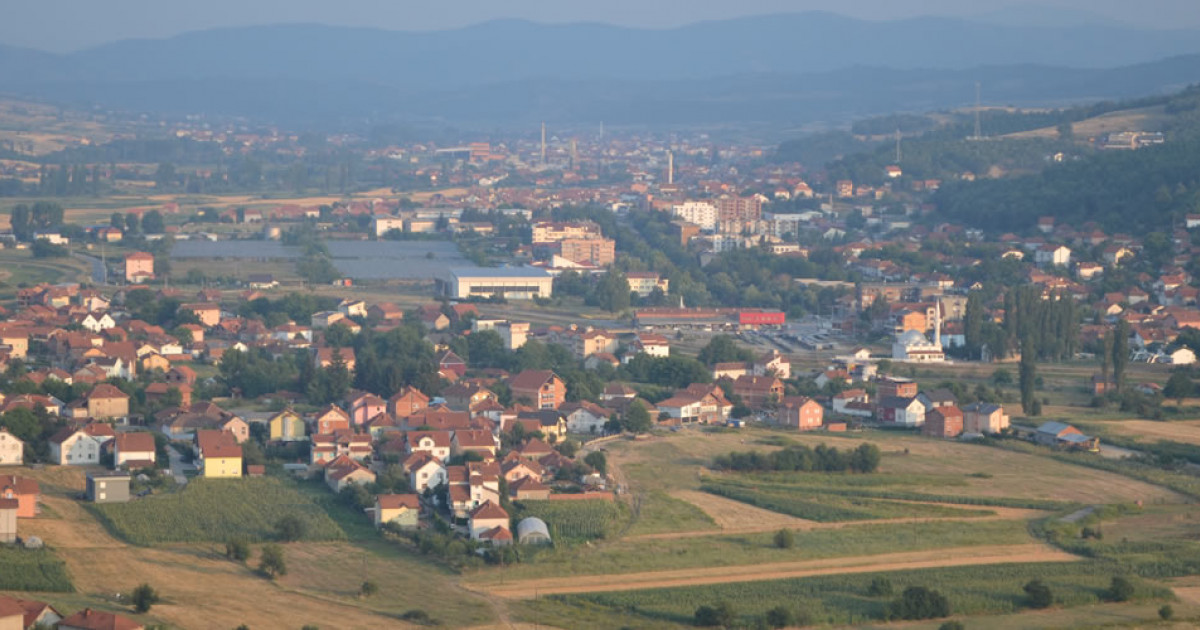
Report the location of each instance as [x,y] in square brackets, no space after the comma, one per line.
[780,617]
[880,587]
[1120,590]
[1166,613]
[238,550]
[918,602]
[271,561]
[1039,594]
[419,617]
[143,597]
[368,589]
[289,529]
[951,625]
[785,539]
[712,616]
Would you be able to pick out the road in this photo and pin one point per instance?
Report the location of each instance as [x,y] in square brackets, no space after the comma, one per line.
[178,466]
[98,273]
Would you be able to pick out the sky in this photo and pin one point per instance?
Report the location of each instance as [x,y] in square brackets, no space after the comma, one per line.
[66,25]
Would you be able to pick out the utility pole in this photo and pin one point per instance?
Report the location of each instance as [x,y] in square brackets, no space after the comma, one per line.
[897,146]
[978,106]
[543,144]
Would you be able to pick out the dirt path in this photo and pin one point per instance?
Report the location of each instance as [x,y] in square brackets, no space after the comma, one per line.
[932,558]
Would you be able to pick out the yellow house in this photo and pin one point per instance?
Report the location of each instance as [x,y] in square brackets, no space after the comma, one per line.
[287,426]
[222,461]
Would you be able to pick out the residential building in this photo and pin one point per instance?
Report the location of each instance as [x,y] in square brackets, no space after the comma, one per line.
[286,426]
[12,449]
[645,282]
[135,449]
[943,422]
[984,418]
[25,491]
[543,388]
[801,413]
[107,402]
[139,267]
[88,619]
[403,510]
[108,487]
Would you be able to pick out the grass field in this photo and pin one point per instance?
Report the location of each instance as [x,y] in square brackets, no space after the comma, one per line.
[659,512]
[32,570]
[216,510]
[845,599]
[574,521]
[830,508]
[717,550]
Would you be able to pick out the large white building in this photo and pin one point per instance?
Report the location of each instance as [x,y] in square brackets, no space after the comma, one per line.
[699,213]
[515,283]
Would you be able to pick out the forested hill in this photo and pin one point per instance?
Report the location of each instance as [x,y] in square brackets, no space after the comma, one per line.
[1127,191]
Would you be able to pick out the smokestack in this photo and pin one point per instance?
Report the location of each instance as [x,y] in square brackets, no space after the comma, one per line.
[543,143]
[670,167]
[937,324]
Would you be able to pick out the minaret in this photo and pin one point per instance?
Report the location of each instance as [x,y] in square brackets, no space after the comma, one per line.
[937,324]
[543,144]
[670,167]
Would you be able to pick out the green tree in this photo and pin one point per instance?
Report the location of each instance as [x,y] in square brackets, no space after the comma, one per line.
[780,617]
[723,349]
[612,292]
[598,461]
[152,222]
[717,615]
[271,561]
[1119,590]
[368,589]
[237,549]
[919,602]
[143,597]
[1120,354]
[952,625]
[131,222]
[880,587]
[637,419]
[289,529]
[785,539]
[1027,375]
[1038,594]
[164,175]
[1179,386]
[1166,613]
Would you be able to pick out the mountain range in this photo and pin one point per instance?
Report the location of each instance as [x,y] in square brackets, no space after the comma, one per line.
[796,68]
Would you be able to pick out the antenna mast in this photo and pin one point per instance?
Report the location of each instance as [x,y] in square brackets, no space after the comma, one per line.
[897,145]
[543,144]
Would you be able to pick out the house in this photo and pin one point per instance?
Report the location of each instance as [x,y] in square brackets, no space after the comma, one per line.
[207,313]
[108,487]
[773,363]
[585,417]
[1062,435]
[134,450]
[758,391]
[466,396]
[850,402]
[436,443]
[365,406]
[35,614]
[107,402]
[26,492]
[181,375]
[12,449]
[1179,356]
[543,388]
[475,441]
[74,447]
[219,456]
[88,619]
[8,520]
[139,267]
[984,418]
[158,393]
[945,421]
[450,362]
[653,345]
[407,402]
[344,471]
[403,510]
[550,422]
[908,412]
[286,426]
[801,413]
[486,517]
[424,471]
[1053,255]
[529,489]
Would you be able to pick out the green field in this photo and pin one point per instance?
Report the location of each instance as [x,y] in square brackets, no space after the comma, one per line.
[829,508]
[662,554]
[574,521]
[846,599]
[657,512]
[217,510]
[32,570]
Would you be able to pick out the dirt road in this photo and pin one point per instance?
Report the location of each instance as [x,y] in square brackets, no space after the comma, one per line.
[931,558]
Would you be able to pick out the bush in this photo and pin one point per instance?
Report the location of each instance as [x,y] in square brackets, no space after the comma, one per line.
[1039,594]
[785,539]
[419,617]
[780,617]
[951,625]
[1120,590]
[143,597]
[289,529]
[880,587]
[271,561]
[713,616]
[238,550]
[368,589]
[919,602]
[1166,613]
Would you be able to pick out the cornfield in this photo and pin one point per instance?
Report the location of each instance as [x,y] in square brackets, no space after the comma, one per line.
[574,521]
[32,570]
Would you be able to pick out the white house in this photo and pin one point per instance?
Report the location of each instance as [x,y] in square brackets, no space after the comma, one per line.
[1183,356]
[1056,255]
[12,449]
[71,447]
[425,473]
[585,417]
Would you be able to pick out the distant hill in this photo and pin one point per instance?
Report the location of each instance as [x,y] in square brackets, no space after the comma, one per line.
[796,67]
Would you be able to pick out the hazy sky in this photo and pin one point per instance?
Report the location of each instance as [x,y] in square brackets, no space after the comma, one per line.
[62,25]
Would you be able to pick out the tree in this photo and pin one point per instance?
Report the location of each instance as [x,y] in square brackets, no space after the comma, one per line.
[785,539]
[720,614]
[271,562]
[723,349]
[598,461]
[368,589]
[1120,354]
[1179,386]
[131,222]
[1027,375]
[1002,377]
[289,529]
[1166,613]
[952,625]
[880,587]
[238,550]
[780,617]
[1119,590]
[612,292]
[637,419]
[918,602]
[152,222]
[143,597]
[1038,594]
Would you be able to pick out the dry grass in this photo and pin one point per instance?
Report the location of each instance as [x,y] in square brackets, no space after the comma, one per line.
[1143,119]
[1186,431]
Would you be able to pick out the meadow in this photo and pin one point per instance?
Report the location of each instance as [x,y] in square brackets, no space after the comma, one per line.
[573,521]
[32,570]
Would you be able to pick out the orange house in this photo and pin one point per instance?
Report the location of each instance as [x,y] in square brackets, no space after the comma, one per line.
[25,491]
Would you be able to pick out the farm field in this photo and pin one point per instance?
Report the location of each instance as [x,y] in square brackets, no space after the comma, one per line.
[19,267]
[208,510]
[1150,431]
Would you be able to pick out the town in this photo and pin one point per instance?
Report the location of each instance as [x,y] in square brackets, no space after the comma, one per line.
[590,378]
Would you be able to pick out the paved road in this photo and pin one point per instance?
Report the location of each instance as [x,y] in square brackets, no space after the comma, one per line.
[177,466]
[98,273]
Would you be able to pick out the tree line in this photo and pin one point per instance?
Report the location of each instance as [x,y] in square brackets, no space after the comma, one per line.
[798,458]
